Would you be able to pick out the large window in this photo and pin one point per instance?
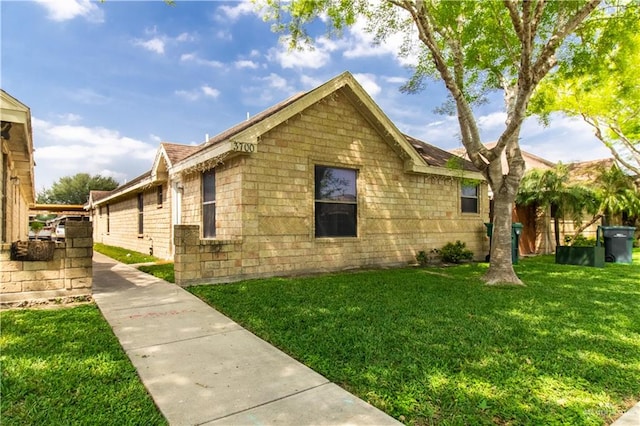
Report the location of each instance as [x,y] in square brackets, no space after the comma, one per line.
[336,202]
[469,198]
[140,214]
[209,204]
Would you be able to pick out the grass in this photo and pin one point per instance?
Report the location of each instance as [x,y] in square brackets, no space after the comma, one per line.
[163,271]
[65,366]
[436,346]
[123,255]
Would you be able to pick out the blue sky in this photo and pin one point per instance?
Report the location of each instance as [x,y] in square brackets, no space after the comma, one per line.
[107,82]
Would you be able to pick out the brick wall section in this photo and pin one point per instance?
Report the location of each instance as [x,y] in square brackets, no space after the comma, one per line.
[265,205]
[68,275]
[123,223]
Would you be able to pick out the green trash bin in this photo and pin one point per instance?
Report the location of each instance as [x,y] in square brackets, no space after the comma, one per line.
[516,230]
[618,243]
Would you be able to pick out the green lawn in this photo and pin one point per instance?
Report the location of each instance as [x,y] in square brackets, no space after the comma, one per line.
[65,366]
[436,346]
[124,255]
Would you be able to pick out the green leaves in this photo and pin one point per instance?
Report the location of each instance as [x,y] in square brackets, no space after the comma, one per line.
[75,189]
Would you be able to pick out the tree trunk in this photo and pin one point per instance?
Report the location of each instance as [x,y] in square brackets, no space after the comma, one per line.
[595,218]
[556,229]
[501,265]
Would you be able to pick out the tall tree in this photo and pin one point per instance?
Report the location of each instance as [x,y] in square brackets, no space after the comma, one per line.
[75,189]
[600,84]
[472,46]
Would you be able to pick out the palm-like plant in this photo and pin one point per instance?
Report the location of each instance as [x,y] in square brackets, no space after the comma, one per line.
[615,193]
[551,189]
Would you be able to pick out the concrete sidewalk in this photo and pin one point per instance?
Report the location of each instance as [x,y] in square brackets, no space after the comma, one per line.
[202,368]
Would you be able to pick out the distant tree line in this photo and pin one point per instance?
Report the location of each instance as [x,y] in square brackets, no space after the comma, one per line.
[75,189]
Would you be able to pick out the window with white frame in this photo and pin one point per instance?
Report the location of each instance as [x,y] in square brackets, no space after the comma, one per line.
[336,202]
[469,198]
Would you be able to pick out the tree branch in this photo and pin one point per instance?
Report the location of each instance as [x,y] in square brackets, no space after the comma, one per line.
[547,59]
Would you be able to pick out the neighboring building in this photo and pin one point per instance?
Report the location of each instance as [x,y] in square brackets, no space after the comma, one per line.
[16,169]
[537,234]
[34,271]
[323,181]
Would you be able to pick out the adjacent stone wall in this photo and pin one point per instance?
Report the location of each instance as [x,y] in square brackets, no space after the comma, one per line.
[122,218]
[68,275]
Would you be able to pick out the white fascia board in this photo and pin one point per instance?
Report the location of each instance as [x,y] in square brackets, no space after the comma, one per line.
[142,184]
[226,149]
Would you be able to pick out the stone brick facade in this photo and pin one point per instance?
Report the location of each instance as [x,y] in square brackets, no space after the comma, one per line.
[68,275]
[407,199]
[116,223]
[265,205]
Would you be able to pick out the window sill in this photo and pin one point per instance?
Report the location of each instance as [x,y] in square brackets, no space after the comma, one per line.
[334,239]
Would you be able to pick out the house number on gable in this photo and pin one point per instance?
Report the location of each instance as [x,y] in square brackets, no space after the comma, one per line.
[243,147]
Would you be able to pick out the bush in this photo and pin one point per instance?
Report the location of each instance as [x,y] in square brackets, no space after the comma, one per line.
[425,258]
[580,241]
[455,252]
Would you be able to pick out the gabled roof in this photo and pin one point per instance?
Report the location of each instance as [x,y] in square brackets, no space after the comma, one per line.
[243,138]
[437,157]
[589,171]
[177,152]
[245,135]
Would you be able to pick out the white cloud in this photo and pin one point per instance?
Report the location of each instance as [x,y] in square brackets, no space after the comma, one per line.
[192,57]
[270,89]
[64,10]
[246,64]
[361,44]
[310,82]
[69,149]
[566,139]
[195,94]
[277,82]
[70,118]
[233,13]
[158,42]
[155,44]
[87,96]
[493,122]
[313,57]
[210,91]
[368,82]
[185,37]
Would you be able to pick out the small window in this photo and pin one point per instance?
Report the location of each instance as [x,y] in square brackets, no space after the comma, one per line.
[469,199]
[108,220]
[140,214]
[159,196]
[209,204]
[336,202]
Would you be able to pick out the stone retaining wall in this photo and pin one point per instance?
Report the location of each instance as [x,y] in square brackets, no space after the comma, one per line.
[68,275]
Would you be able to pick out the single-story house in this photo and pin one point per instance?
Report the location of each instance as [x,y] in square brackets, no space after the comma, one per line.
[33,271]
[16,169]
[322,181]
